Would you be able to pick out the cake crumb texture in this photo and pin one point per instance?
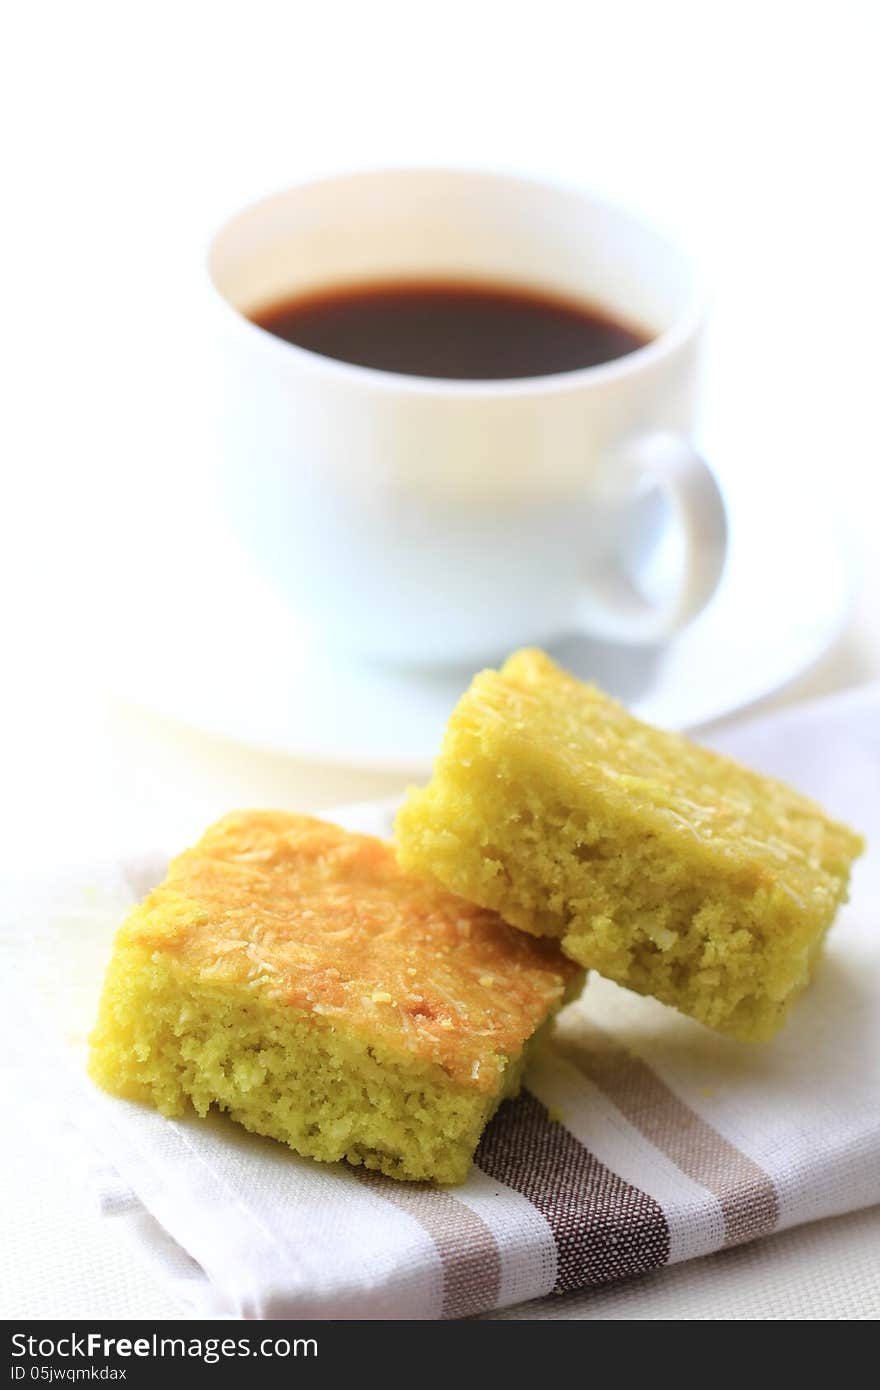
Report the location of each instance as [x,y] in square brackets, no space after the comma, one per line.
[665,867]
[291,973]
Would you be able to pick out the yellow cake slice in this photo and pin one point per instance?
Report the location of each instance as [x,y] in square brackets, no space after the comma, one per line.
[292,974]
[665,867]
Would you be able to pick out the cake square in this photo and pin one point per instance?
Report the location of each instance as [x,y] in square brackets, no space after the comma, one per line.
[292,974]
[663,866]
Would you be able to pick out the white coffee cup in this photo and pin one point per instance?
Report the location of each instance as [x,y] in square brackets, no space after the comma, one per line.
[429,520]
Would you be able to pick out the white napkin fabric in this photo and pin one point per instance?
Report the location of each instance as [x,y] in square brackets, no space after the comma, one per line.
[643,1140]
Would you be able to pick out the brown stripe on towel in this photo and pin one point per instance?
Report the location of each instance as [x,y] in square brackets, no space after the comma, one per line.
[469,1256]
[604,1228]
[746,1195]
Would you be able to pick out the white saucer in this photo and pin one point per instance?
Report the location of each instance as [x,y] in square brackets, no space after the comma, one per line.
[245,668]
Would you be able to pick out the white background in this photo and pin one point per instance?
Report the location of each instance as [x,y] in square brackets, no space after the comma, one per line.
[129,130]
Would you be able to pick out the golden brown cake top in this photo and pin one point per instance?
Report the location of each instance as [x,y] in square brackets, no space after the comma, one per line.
[578,741]
[323,920]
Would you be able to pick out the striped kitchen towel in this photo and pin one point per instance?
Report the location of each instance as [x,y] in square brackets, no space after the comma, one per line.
[641,1138]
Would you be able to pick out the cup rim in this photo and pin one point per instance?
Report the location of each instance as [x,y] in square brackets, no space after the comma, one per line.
[684,327]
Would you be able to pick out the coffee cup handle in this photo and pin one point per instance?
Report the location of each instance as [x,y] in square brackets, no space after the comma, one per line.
[612,607]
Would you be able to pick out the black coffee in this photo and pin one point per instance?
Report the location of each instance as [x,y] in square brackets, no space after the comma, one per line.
[452,329]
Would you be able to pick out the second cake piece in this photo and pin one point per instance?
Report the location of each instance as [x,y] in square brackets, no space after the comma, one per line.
[663,866]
